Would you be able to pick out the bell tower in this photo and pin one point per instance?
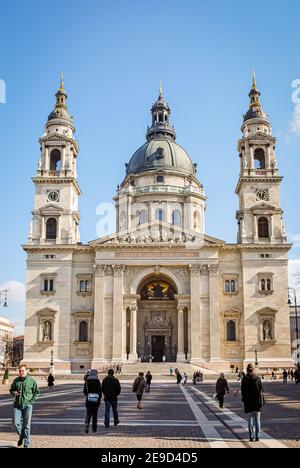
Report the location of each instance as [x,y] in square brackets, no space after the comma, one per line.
[260,216]
[55,213]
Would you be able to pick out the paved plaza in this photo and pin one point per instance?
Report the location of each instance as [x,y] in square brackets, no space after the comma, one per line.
[173,416]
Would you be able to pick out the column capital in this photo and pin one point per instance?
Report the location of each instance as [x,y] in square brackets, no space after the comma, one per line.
[195,268]
[213,269]
[100,270]
[118,270]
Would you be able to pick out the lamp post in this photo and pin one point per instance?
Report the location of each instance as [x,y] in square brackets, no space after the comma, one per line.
[296,316]
[3,298]
[256,358]
[51,362]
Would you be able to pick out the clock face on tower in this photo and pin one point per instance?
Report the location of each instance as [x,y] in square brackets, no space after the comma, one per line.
[262,195]
[53,196]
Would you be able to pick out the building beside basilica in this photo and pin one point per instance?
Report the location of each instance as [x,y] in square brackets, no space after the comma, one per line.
[160,286]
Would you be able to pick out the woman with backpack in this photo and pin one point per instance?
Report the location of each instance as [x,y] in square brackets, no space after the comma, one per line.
[93,392]
[138,388]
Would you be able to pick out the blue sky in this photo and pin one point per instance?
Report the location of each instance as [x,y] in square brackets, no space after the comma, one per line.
[113,54]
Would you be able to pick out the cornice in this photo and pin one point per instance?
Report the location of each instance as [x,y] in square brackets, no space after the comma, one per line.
[42,180]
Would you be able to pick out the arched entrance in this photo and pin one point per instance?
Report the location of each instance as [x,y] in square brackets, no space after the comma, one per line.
[157,321]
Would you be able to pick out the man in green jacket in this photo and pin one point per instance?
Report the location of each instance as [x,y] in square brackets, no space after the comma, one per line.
[25,391]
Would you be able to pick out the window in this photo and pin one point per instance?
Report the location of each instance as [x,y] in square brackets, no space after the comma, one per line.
[259,159]
[265,256]
[49,257]
[84,286]
[176,218]
[51,229]
[160,179]
[160,215]
[48,285]
[266,283]
[55,161]
[230,286]
[83,331]
[143,217]
[263,228]
[231,330]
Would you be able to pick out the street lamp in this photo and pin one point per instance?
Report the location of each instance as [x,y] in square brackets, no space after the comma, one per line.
[256,358]
[51,358]
[3,298]
[296,315]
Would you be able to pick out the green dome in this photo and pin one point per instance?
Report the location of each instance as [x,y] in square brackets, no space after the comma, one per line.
[159,153]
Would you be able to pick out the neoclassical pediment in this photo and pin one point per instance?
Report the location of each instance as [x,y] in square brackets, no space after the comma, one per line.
[263,207]
[232,313]
[47,312]
[83,311]
[267,312]
[158,232]
[50,209]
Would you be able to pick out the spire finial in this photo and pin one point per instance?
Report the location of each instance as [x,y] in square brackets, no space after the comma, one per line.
[254,80]
[62,84]
[160,89]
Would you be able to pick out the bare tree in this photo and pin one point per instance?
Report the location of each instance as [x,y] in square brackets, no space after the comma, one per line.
[6,349]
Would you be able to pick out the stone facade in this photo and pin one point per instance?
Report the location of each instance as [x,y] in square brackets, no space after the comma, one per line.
[160,288]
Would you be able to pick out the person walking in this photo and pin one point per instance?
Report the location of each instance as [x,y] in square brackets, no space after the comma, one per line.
[285,377]
[111,390]
[25,391]
[179,377]
[297,377]
[221,389]
[51,381]
[253,399]
[185,378]
[171,371]
[138,388]
[93,392]
[148,382]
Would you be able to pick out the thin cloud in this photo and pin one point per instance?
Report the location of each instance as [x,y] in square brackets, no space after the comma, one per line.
[294,273]
[294,239]
[16,291]
[294,125]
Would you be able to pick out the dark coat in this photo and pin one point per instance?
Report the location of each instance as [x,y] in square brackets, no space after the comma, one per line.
[50,380]
[222,387]
[148,379]
[252,394]
[92,386]
[111,388]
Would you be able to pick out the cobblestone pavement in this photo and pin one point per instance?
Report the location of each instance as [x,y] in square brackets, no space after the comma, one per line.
[173,416]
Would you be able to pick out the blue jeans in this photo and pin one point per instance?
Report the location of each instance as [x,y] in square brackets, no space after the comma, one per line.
[254,423]
[108,406]
[22,421]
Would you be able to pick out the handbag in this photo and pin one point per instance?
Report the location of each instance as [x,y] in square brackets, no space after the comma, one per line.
[93,397]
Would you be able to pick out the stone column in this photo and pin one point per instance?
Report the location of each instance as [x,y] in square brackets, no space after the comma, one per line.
[63,159]
[252,165]
[47,159]
[214,306]
[255,228]
[272,229]
[189,334]
[180,353]
[195,313]
[99,315]
[119,316]
[133,334]
[268,157]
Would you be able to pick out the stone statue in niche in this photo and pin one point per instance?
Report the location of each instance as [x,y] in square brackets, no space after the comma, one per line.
[47,328]
[267,330]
